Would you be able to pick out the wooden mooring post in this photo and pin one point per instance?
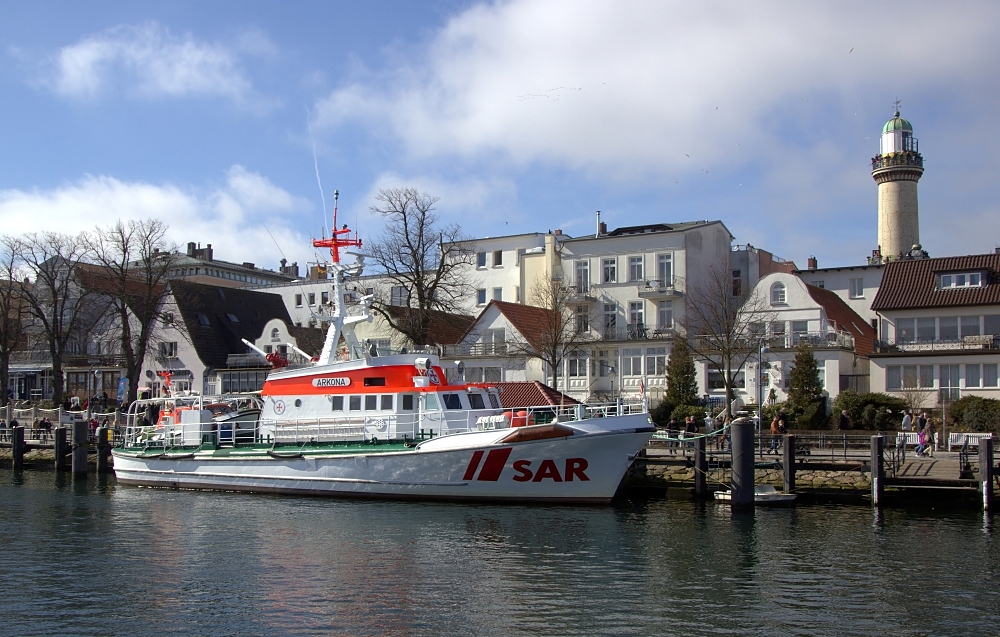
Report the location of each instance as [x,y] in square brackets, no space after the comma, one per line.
[60,448]
[743,466]
[788,463]
[103,450]
[700,468]
[17,447]
[877,470]
[986,472]
[80,444]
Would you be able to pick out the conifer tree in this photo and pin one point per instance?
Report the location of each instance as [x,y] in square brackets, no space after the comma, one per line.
[804,387]
[682,381]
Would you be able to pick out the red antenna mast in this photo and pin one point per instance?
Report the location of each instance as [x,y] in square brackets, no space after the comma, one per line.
[335,242]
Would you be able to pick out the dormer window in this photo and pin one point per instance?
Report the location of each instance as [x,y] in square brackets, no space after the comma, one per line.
[778,294]
[961,280]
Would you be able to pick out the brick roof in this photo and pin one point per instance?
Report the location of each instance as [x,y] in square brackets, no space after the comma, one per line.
[911,284]
[845,318]
[515,395]
[443,328]
[531,322]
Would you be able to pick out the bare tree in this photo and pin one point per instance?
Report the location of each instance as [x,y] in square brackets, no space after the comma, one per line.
[422,261]
[913,394]
[723,325]
[132,262]
[60,309]
[13,310]
[561,330]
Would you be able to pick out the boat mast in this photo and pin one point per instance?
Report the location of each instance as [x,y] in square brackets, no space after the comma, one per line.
[341,324]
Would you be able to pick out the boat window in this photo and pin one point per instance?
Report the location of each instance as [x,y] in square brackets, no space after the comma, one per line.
[494,401]
[407,402]
[371,402]
[431,402]
[386,402]
[476,401]
[355,403]
[452,401]
[375,382]
[338,403]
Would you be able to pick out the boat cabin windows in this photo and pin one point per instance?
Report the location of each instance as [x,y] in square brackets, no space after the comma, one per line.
[494,401]
[431,402]
[375,382]
[476,401]
[452,401]
[406,404]
[371,402]
[386,403]
[354,402]
[337,402]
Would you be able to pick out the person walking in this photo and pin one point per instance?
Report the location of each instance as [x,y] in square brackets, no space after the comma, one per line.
[778,428]
[929,439]
[673,429]
[845,421]
[922,421]
[907,421]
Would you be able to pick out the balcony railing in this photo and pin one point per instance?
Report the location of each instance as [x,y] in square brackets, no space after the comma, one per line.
[475,349]
[580,291]
[246,360]
[637,332]
[828,338]
[984,341]
[907,158]
[656,288]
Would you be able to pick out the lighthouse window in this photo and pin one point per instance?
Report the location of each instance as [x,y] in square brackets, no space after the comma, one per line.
[386,402]
[371,402]
[337,402]
[354,402]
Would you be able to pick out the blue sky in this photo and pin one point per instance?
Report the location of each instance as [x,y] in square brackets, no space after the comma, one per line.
[521,116]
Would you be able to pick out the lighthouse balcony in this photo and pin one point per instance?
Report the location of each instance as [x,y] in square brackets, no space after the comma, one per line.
[904,158]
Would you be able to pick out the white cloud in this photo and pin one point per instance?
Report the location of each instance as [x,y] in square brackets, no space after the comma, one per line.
[238,217]
[151,62]
[630,88]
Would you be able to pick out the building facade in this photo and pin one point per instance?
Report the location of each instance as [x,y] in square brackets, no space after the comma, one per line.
[942,328]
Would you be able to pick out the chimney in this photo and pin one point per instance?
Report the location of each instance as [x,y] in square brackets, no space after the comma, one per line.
[598,223]
[812,264]
[283,262]
[558,231]
[191,246]
[209,251]
[604,228]
[248,265]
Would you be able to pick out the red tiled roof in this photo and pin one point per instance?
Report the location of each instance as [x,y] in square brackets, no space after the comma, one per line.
[910,284]
[845,318]
[530,321]
[515,395]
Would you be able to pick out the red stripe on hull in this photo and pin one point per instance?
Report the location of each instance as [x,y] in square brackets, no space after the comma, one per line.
[494,464]
[470,473]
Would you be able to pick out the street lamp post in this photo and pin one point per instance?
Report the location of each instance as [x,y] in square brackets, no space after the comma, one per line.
[761,350]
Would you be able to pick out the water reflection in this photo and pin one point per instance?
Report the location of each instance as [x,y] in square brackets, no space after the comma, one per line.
[91,558]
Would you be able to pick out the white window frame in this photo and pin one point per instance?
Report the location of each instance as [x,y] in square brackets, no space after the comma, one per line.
[609,270]
[632,275]
[665,258]
[779,294]
[856,288]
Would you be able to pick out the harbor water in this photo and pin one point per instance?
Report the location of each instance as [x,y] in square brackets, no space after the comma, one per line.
[95,558]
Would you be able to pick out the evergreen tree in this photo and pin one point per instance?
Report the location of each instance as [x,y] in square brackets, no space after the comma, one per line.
[682,380]
[804,387]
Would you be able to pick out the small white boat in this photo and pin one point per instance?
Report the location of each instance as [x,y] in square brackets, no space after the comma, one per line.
[762,494]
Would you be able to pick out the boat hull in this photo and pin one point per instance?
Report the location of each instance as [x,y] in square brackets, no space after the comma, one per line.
[585,468]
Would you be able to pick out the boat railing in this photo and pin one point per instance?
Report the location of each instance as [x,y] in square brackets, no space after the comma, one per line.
[380,426]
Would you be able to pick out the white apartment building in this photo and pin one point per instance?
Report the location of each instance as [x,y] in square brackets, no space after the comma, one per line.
[626,289]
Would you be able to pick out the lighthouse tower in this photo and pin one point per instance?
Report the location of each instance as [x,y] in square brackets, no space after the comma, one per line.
[897,169]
